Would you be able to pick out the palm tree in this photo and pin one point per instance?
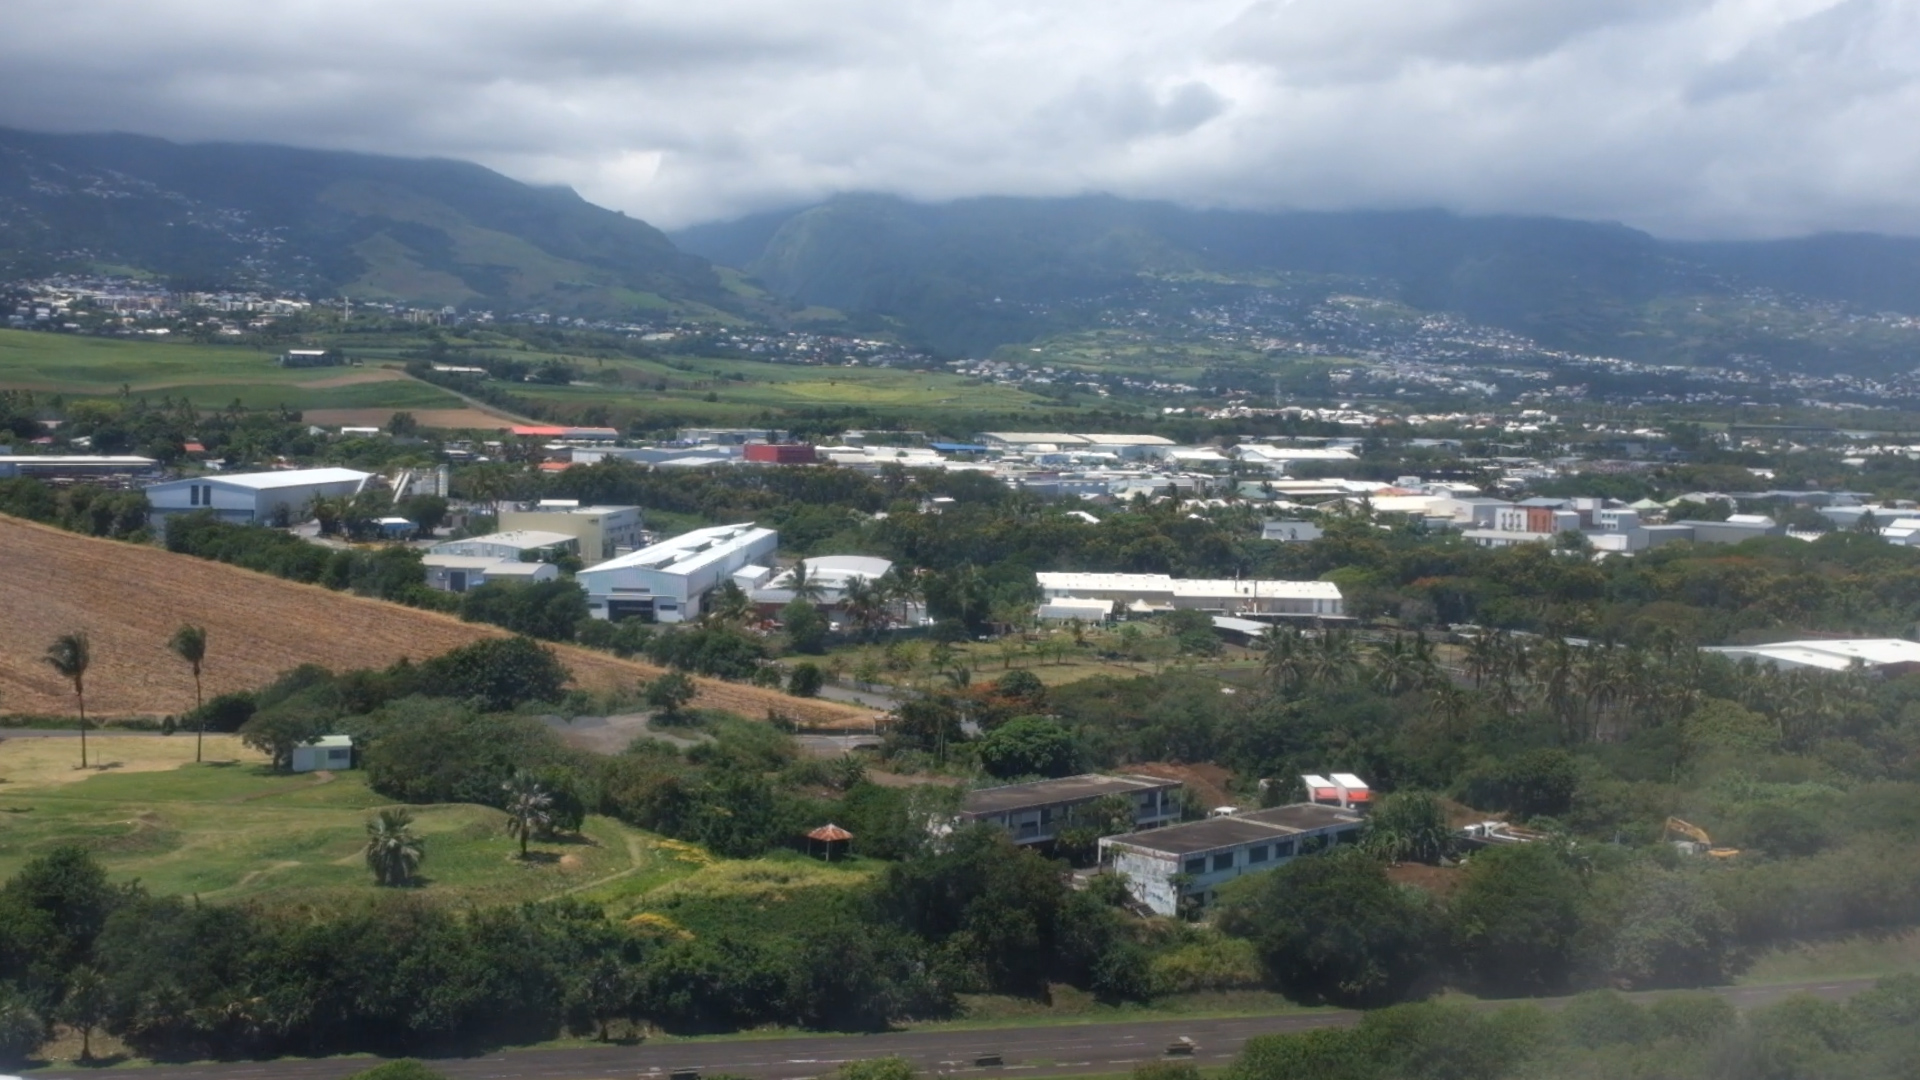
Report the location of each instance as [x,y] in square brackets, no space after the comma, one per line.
[189,643]
[804,584]
[393,851]
[865,606]
[733,604]
[1396,667]
[69,655]
[529,808]
[1333,660]
[1281,657]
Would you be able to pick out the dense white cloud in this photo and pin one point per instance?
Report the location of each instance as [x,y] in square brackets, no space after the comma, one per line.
[1686,117]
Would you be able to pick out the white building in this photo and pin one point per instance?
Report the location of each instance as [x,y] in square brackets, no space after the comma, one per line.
[1290,532]
[1897,654]
[1191,861]
[459,573]
[261,498]
[832,573]
[1229,596]
[668,581]
[516,545]
[325,752]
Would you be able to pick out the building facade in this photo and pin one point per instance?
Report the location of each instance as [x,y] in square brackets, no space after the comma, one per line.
[1188,863]
[1226,596]
[1034,813]
[263,498]
[669,581]
[603,531]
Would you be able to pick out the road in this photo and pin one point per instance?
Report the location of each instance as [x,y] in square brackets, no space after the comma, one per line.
[1052,1050]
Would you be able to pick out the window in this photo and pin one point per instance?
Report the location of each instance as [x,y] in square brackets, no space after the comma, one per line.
[1223,861]
[1197,866]
[193,495]
[1283,849]
[1350,836]
[1257,854]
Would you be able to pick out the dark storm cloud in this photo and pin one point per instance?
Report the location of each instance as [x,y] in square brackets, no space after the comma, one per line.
[1689,117]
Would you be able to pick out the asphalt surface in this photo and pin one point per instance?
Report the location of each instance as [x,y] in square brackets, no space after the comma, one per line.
[1051,1050]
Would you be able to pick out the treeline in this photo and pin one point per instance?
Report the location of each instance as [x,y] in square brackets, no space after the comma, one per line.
[83,508]
[389,573]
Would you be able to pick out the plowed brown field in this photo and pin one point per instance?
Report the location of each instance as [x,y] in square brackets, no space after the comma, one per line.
[129,599]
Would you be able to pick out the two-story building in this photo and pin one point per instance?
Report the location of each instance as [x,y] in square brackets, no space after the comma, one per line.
[1035,812]
[1191,861]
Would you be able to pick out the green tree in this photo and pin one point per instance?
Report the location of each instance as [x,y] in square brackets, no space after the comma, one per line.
[1407,826]
[278,729]
[499,674]
[805,680]
[529,809]
[1516,917]
[806,628]
[886,1068]
[1027,746]
[86,1005]
[670,693]
[393,852]
[1333,928]
[189,643]
[21,1028]
[70,655]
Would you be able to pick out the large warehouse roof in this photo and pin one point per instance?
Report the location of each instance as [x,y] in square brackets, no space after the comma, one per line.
[262,481]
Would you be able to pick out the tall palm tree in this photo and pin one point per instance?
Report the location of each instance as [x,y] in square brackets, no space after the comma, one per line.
[69,655]
[1396,668]
[529,808]
[393,851]
[189,643]
[733,605]
[804,584]
[865,606]
[1282,657]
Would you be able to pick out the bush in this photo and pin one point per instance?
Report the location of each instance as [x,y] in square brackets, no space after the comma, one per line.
[553,610]
[224,713]
[403,1069]
[498,674]
[21,1029]
[806,679]
[421,750]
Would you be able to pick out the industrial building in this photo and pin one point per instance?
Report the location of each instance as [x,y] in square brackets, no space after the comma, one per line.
[517,545]
[833,574]
[669,581]
[1894,656]
[602,531]
[1189,862]
[1035,812]
[459,573]
[261,498]
[1228,596]
[95,468]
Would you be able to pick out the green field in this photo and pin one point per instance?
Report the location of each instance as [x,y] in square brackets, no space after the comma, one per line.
[236,831]
[211,376]
[214,376]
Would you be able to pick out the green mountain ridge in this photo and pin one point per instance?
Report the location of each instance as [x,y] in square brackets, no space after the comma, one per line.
[974,274]
[424,231]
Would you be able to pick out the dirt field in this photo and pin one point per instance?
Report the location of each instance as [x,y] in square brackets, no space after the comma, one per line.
[35,761]
[449,419]
[356,378]
[130,599]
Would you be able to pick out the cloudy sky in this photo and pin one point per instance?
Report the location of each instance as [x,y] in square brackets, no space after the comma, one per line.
[1684,117]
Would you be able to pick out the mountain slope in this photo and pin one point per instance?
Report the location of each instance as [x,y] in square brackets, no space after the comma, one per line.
[424,231]
[970,275]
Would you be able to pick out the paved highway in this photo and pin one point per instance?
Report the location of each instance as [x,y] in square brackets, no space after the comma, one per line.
[1052,1050]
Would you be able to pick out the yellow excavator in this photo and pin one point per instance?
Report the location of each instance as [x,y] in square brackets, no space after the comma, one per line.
[1695,841]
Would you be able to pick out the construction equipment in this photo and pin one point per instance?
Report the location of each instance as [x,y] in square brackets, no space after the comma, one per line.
[1694,840]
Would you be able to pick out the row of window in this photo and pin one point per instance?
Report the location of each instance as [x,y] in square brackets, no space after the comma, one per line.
[1260,853]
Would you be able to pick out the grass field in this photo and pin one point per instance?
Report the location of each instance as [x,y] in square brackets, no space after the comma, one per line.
[1852,957]
[210,376]
[130,598]
[230,830]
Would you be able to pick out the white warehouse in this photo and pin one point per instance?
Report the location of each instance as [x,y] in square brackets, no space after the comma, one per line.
[1227,596]
[262,498]
[668,581]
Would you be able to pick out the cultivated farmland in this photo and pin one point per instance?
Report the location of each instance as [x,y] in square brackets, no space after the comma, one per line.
[129,599]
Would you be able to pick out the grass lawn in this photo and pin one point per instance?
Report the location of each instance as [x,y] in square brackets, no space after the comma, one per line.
[232,830]
[211,376]
[1853,957]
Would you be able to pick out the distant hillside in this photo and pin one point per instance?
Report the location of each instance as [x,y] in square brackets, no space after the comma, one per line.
[423,231]
[970,275]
